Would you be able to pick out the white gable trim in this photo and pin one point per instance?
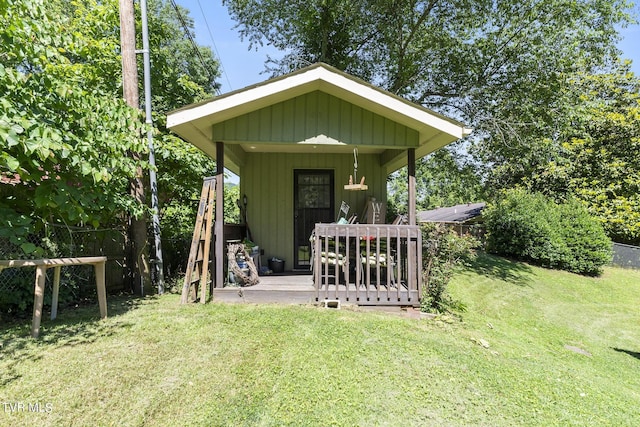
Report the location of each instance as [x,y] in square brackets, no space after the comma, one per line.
[317,77]
[250,99]
[194,123]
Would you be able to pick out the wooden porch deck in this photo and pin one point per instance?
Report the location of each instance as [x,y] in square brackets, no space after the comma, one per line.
[296,288]
[280,288]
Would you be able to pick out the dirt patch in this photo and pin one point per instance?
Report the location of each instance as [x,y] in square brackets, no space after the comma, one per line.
[577,350]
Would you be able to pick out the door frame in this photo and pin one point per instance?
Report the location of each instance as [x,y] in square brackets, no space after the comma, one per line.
[329,218]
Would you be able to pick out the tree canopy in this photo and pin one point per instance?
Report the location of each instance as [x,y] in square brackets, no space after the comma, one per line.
[444,179]
[539,82]
[58,123]
[598,156]
[65,132]
[496,65]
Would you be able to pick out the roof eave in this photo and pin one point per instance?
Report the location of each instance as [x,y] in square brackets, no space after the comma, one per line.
[194,122]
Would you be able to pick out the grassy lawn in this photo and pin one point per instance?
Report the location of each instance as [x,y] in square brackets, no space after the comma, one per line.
[536,347]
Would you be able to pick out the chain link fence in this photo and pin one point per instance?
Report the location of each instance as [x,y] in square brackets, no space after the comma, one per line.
[175,254]
[626,255]
[77,283]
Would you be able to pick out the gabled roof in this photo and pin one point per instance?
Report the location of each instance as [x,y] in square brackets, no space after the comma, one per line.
[194,122]
[454,214]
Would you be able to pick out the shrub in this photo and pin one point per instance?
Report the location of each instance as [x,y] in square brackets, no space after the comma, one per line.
[588,246]
[442,251]
[534,228]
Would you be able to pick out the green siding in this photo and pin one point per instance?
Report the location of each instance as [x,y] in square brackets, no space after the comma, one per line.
[316,113]
[267,180]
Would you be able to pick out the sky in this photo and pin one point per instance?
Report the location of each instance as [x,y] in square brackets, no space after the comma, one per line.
[243,67]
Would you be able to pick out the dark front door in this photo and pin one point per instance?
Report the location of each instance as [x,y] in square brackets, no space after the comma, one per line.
[313,203]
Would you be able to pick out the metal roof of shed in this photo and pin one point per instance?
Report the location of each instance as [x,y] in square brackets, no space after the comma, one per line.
[452,214]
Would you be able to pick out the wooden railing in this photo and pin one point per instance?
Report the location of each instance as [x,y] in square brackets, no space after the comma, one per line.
[368,264]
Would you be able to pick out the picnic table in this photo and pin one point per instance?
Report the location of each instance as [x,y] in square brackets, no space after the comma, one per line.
[42,265]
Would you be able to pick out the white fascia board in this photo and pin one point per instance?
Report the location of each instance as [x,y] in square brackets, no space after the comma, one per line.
[319,78]
[394,160]
[252,99]
[392,107]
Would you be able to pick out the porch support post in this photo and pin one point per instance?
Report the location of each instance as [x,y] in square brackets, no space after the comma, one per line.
[413,246]
[219,217]
[411,185]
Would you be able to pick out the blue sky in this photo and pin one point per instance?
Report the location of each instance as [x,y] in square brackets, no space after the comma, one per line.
[244,67]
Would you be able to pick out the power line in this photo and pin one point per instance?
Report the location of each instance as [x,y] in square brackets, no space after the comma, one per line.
[214,45]
[193,43]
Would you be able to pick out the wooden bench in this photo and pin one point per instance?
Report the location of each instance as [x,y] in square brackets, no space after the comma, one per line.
[42,265]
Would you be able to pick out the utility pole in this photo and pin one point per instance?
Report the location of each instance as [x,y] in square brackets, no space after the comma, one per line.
[137,226]
[153,182]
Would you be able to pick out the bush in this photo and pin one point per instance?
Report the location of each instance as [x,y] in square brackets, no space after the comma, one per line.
[533,228]
[588,246]
[442,251]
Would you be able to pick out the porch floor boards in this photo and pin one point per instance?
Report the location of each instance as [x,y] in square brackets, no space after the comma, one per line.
[285,282]
[280,289]
[299,289]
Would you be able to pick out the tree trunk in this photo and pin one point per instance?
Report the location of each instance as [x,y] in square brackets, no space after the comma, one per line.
[137,226]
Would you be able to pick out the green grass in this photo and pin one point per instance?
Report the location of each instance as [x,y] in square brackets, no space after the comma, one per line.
[155,362]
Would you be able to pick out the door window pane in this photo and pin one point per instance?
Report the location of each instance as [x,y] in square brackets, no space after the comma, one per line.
[314,191]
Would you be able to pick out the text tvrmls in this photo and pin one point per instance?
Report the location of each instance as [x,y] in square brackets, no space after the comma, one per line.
[27,407]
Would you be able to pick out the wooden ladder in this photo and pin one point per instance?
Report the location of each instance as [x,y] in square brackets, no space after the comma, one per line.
[198,264]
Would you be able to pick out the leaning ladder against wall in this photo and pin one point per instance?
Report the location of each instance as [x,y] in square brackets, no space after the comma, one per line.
[197,274]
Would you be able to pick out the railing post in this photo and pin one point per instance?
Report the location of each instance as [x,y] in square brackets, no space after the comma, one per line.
[419,265]
[347,260]
[336,269]
[317,265]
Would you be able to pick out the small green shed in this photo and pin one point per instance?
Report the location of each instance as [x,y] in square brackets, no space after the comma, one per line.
[291,141]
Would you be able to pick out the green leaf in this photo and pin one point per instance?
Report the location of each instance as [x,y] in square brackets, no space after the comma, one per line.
[28,247]
[31,146]
[11,139]
[85,168]
[11,162]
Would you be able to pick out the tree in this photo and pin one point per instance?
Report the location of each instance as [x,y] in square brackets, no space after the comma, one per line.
[180,76]
[61,114]
[496,65]
[502,67]
[181,73]
[56,131]
[598,156]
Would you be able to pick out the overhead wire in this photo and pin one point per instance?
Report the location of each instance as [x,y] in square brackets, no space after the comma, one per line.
[215,48]
[206,66]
